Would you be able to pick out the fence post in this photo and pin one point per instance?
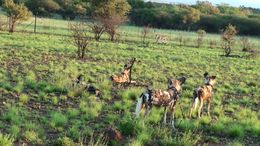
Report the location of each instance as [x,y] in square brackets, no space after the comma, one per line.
[35,23]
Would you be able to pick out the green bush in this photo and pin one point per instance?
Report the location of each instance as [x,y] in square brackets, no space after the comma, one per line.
[90,106]
[65,141]
[14,130]
[6,140]
[24,98]
[129,126]
[186,125]
[218,127]
[235,131]
[187,139]
[32,137]
[12,116]
[58,120]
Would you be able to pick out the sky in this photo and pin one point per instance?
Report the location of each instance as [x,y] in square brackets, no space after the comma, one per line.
[247,3]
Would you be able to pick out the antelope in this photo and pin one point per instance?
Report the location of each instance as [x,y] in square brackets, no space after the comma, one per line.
[161,39]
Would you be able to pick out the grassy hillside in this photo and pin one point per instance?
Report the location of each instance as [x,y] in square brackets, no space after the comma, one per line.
[39,105]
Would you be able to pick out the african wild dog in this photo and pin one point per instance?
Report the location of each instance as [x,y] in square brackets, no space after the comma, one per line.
[203,93]
[125,76]
[166,99]
[160,39]
[79,82]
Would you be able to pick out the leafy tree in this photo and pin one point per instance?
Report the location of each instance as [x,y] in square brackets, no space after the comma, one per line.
[16,13]
[229,10]
[228,38]
[111,14]
[190,15]
[43,7]
[137,4]
[71,8]
[206,7]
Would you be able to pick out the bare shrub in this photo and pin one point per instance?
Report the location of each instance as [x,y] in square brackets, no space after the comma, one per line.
[80,38]
[3,23]
[180,39]
[201,34]
[246,46]
[212,44]
[144,34]
[111,25]
[98,29]
[228,38]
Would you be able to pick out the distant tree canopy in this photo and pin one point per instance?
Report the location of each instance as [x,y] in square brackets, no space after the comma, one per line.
[193,17]
[203,14]
[206,7]
[43,7]
[66,8]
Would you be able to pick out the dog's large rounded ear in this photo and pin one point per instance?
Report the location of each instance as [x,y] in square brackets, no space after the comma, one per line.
[182,80]
[169,81]
[206,74]
[213,77]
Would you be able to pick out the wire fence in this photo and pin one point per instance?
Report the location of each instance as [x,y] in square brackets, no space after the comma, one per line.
[127,33]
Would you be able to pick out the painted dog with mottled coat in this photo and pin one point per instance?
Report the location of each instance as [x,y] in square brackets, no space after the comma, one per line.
[159,98]
[203,93]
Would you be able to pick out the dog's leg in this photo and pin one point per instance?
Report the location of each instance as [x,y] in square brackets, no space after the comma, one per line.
[200,108]
[194,105]
[139,105]
[165,116]
[209,101]
[147,111]
[172,118]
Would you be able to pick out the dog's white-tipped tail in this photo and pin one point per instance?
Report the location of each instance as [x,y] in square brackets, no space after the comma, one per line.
[196,103]
[139,106]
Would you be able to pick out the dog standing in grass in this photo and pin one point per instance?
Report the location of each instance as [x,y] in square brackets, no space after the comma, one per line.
[125,76]
[203,93]
[159,98]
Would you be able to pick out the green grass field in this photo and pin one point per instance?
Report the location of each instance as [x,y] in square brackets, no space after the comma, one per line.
[39,105]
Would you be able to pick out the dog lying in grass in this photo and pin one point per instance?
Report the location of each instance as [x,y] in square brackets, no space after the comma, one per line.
[203,93]
[87,87]
[125,76]
[159,98]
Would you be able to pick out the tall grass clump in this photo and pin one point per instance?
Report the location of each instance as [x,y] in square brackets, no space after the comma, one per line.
[32,137]
[235,143]
[235,131]
[23,98]
[187,139]
[65,141]
[129,126]
[14,130]
[12,116]
[58,120]
[6,140]
[90,106]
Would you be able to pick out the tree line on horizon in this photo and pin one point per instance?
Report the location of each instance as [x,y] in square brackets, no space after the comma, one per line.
[202,15]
